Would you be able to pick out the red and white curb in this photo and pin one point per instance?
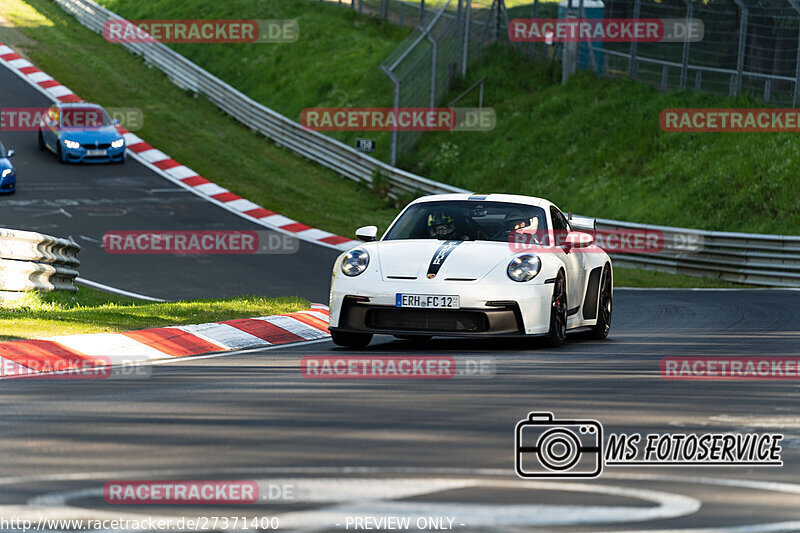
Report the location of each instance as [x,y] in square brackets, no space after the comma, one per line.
[168,168]
[79,352]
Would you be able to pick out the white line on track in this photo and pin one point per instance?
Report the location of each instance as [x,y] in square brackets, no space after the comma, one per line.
[472,515]
[108,288]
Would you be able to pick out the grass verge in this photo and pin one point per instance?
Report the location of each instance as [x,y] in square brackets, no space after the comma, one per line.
[40,315]
[550,141]
[192,130]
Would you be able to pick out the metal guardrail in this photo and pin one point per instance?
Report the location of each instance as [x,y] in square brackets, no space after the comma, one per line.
[752,258]
[285,132]
[771,260]
[32,261]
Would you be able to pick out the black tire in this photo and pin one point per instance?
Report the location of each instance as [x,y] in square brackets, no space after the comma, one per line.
[350,340]
[42,147]
[60,154]
[558,313]
[604,298]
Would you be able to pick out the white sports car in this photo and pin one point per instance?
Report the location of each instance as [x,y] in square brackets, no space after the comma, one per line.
[473,265]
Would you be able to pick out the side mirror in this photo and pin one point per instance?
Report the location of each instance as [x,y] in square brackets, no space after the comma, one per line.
[578,239]
[116,122]
[367,233]
[11,153]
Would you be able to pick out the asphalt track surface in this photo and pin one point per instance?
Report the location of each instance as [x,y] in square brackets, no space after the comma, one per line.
[418,448]
[86,201]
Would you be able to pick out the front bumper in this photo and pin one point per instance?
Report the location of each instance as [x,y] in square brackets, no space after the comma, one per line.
[8,184]
[485,311]
[79,155]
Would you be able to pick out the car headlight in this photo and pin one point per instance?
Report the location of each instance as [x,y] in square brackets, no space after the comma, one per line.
[355,262]
[72,144]
[119,143]
[7,172]
[524,267]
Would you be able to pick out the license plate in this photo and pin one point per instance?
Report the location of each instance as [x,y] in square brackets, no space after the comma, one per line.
[427,300]
[95,152]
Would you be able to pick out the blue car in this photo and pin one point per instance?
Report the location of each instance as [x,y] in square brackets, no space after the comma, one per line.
[81,133]
[8,176]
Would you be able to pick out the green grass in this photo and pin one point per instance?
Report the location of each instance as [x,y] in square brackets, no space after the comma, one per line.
[630,277]
[40,315]
[594,146]
[194,131]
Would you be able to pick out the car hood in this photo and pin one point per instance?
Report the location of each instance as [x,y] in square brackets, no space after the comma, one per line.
[5,163]
[463,260]
[105,134]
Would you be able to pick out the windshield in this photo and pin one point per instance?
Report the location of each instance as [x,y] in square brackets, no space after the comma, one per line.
[465,220]
[84,118]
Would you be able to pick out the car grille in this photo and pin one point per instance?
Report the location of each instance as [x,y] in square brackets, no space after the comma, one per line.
[101,146]
[427,320]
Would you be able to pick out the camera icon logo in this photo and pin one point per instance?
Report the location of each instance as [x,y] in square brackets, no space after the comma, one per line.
[549,448]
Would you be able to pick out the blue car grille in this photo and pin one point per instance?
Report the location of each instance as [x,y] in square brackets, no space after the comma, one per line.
[101,146]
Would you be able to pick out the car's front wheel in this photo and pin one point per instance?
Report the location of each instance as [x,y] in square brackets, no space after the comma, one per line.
[558,312]
[60,153]
[350,340]
[41,141]
[600,331]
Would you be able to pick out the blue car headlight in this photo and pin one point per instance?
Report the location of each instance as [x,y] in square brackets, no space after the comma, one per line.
[119,143]
[72,145]
[7,172]
[524,267]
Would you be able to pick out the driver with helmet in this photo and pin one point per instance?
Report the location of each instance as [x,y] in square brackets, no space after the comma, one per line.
[442,226]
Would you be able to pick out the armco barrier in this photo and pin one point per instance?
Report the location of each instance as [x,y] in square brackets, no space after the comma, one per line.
[313,145]
[756,259]
[32,261]
[771,260]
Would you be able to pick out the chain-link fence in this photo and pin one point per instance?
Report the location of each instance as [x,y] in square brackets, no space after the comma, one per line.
[447,36]
[748,46]
[423,69]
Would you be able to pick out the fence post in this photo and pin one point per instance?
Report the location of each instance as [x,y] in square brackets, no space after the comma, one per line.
[434,52]
[796,99]
[421,12]
[467,36]
[742,42]
[633,67]
[396,105]
[685,61]
[534,14]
